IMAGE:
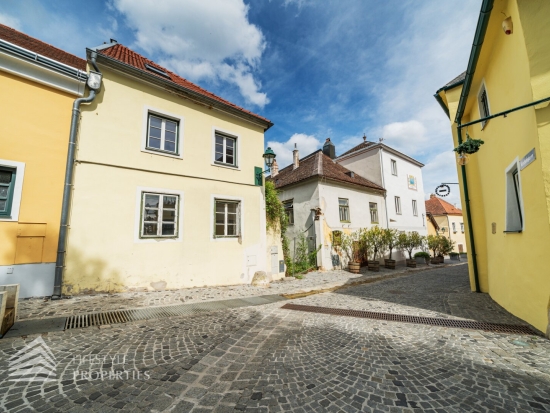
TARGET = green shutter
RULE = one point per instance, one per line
(258, 176)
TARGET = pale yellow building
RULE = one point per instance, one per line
(445, 219)
(38, 83)
(168, 188)
(503, 99)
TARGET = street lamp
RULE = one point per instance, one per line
(269, 158)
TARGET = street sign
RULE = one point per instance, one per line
(443, 190)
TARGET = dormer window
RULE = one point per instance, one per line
(156, 70)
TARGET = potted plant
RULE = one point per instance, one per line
(469, 146)
(446, 246)
(391, 240)
(349, 246)
(464, 255)
(409, 241)
(434, 243)
(364, 246)
(422, 257)
(455, 256)
(376, 240)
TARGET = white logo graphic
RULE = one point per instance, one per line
(35, 362)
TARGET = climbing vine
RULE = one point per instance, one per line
(276, 217)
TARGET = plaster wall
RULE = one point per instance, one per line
(522, 286)
(105, 251)
(366, 164)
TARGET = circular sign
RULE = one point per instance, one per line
(443, 190)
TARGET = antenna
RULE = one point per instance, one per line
(380, 140)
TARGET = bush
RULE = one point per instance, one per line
(421, 254)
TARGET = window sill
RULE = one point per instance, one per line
(161, 153)
(519, 231)
(345, 222)
(225, 239)
(221, 165)
(5, 218)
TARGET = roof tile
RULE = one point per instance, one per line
(437, 206)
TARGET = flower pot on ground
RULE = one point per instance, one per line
(435, 260)
(411, 263)
(464, 255)
(354, 267)
(422, 257)
(389, 264)
(454, 256)
(391, 241)
(374, 265)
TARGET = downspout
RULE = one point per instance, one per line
(479, 37)
(384, 186)
(67, 190)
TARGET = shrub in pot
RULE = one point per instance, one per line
(391, 240)
(422, 257)
(409, 241)
(454, 256)
(349, 245)
(376, 239)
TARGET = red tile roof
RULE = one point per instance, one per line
(318, 164)
(437, 206)
(125, 55)
(34, 45)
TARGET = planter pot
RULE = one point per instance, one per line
(389, 264)
(464, 255)
(435, 260)
(455, 257)
(421, 260)
(354, 267)
(411, 263)
(374, 266)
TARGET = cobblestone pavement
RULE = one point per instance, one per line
(266, 359)
(40, 308)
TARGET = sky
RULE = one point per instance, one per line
(315, 68)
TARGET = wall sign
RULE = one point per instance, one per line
(411, 180)
(443, 190)
(527, 159)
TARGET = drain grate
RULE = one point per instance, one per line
(432, 321)
(125, 316)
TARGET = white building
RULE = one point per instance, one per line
(321, 196)
(399, 174)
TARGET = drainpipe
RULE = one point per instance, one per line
(67, 191)
(384, 186)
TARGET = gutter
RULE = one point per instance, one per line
(67, 191)
(384, 185)
(479, 37)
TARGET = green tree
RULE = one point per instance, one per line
(409, 241)
(377, 240)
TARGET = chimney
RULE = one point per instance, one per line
(295, 158)
(432, 196)
(274, 168)
(329, 149)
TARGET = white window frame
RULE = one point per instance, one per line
(513, 205)
(160, 210)
(17, 188)
(148, 110)
(238, 142)
(397, 201)
(375, 209)
(221, 197)
(415, 207)
(483, 88)
(137, 220)
(393, 167)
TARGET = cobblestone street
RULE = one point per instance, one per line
(265, 358)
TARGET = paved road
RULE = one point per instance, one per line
(266, 358)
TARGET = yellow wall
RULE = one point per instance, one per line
(103, 254)
(446, 221)
(34, 130)
(512, 266)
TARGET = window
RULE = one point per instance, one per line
(344, 209)
(397, 205)
(462, 226)
(162, 134)
(289, 211)
(394, 167)
(159, 215)
(228, 219)
(373, 206)
(514, 217)
(415, 209)
(225, 150)
(483, 102)
(7, 184)
(454, 227)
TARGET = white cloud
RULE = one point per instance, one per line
(408, 137)
(10, 21)
(211, 40)
(306, 144)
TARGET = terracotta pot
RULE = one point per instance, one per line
(354, 267)
(374, 266)
(389, 264)
(411, 263)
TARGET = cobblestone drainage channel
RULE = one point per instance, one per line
(432, 321)
(37, 326)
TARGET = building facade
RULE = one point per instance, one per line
(445, 219)
(503, 99)
(168, 190)
(41, 82)
(323, 199)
